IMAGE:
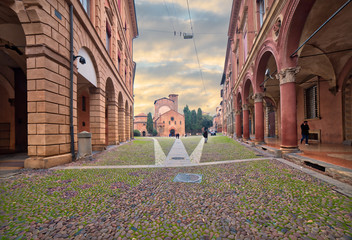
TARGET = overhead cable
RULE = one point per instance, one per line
(195, 47)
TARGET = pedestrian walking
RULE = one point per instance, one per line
(305, 131)
(205, 135)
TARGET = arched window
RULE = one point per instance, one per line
(261, 6)
(172, 118)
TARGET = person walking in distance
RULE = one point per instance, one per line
(305, 131)
(205, 135)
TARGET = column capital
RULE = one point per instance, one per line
(238, 112)
(288, 75)
(258, 97)
(245, 107)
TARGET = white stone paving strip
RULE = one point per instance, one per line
(197, 152)
(159, 153)
(177, 155)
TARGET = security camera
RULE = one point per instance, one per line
(82, 60)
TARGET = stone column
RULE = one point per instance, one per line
(288, 108)
(127, 125)
(97, 118)
(121, 123)
(48, 105)
(238, 124)
(259, 117)
(245, 121)
(112, 120)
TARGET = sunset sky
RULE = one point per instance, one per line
(168, 64)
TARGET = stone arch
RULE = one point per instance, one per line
(238, 114)
(346, 88)
(291, 29)
(13, 81)
(121, 118)
(248, 108)
(89, 70)
(111, 112)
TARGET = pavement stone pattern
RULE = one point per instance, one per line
(177, 155)
(159, 153)
(264, 199)
(197, 153)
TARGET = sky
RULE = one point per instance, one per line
(168, 63)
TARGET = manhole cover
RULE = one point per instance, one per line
(177, 158)
(188, 178)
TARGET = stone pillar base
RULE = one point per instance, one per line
(288, 149)
(47, 162)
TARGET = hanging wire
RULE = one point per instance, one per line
(168, 13)
(195, 47)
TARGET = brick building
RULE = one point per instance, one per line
(36, 52)
(217, 120)
(167, 120)
(140, 123)
(280, 71)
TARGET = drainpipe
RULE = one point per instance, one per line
(71, 85)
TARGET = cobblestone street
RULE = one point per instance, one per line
(264, 199)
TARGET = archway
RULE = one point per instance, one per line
(239, 116)
(247, 109)
(121, 119)
(13, 84)
(172, 132)
(143, 133)
(267, 87)
(110, 113)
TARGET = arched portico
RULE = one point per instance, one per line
(121, 119)
(111, 111)
(247, 108)
(238, 114)
(13, 85)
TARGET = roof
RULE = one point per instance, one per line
(141, 115)
(163, 98)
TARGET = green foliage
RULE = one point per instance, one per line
(136, 133)
(150, 123)
(155, 132)
(195, 120)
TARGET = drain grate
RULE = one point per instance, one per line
(177, 158)
(188, 178)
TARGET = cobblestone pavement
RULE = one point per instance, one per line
(264, 199)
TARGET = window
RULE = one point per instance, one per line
(311, 102)
(118, 63)
(261, 6)
(245, 43)
(83, 103)
(175, 122)
(172, 118)
(108, 37)
(163, 121)
(180, 122)
(169, 122)
(86, 6)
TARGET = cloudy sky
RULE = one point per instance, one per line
(167, 63)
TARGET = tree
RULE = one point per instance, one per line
(155, 132)
(207, 121)
(187, 114)
(193, 121)
(150, 123)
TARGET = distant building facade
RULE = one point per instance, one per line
(274, 79)
(167, 120)
(35, 79)
(217, 120)
(140, 124)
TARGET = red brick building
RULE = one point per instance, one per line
(217, 120)
(140, 124)
(167, 120)
(36, 116)
(280, 71)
